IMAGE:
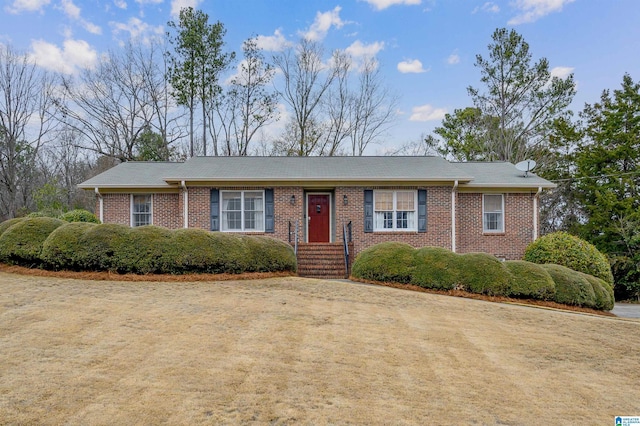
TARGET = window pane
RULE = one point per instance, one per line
(493, 203)
(141, 211)
(231, 201)
(232, 221)
(405, 200)
(493, 221)
(384, 201)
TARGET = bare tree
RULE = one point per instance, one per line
(26, 117)
(337, 106)
(113, 104)
(306, 80)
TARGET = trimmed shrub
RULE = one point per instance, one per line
(572, 288)
(100, 245)
(386, 262)
(603, 293)
(79, 215)
(22, 243)
(8, 223)
(64, 247)
(529, 280)
(266, 254)
(561, 248)
(483, 273)
(435, 267)
(141, 250)
(197, 250)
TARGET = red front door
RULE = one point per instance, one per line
(318, 218)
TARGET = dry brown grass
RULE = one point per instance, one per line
(292, 350)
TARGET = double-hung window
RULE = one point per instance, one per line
(394, 210)
(493, 213)
(243, 211)
(141, 210)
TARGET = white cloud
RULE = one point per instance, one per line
(411, 66)
(360, 50)
(92, 28)
(73, 12)
(19, 6)
(561, 72)
(74, 55)
(532, 10)
(120, 4)
(275, 43)
(383, 4)
(489, 7)
(427, 113)
(453, 59)
(143, 2)
(176, 5)
(323, 23)
(138, 29)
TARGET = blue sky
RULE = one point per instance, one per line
(426, 48)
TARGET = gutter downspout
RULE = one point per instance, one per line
(453, 216)
(101, 207)
(185, 206)
(535, 213)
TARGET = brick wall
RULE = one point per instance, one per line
(167, 210)
(518, 226)
(117, 208)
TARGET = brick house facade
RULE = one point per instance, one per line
(422, 201)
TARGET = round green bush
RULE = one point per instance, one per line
(529, 281)
(483, 273)
(435, 267)
(561, 248)
(64, 247)
(572, 288)
(197, 250)
(100, 245)
(8, 223)
(603, 293)
(79, 215)
(266, 254)
(385, 262)
(141, 250)
(21, 243)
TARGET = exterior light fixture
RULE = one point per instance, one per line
(293, 200)
(345, 200)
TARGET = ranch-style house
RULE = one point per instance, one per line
(332, 204)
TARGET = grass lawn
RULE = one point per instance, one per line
(292, 350)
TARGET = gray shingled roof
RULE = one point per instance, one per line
(312, 169)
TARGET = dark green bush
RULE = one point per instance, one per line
(9, 222)
(21, 243)
(266, 254)
(483, 273)
(385, 262)
(602, 291)
(567, 250)
(100, 245)
(529, 280)
(572, 288)
(64, 247)
(197, 250)
(435, 267)
(141, 250)
(79, 215)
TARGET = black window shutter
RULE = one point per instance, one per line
(368, 210)
(215, 209)
(422, 210)
(269, 223)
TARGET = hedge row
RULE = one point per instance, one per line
(438, 268)
(81, 246)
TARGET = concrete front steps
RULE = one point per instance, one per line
(322, 260)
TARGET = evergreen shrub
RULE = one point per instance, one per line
(8, 223)
(79, 215)
(64, 247)
(21, 244)
(572, 288)
(385, 262)
(483, 273)
(435, 267)
(529, 281)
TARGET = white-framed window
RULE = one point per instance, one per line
(394, 210)
(242, 211)
(141, 209)
(493, 213)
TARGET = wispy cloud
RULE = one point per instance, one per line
(323, 23)
(138, 30)
(19, 6)
(427, 113)
(120, 4)
(489, 7)
(561, 72)
(177, 5)
(532, 10)
(453, 59)
(72, 57)
(73, 12)
(411, 66)
(273, 43)
(383, 4)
